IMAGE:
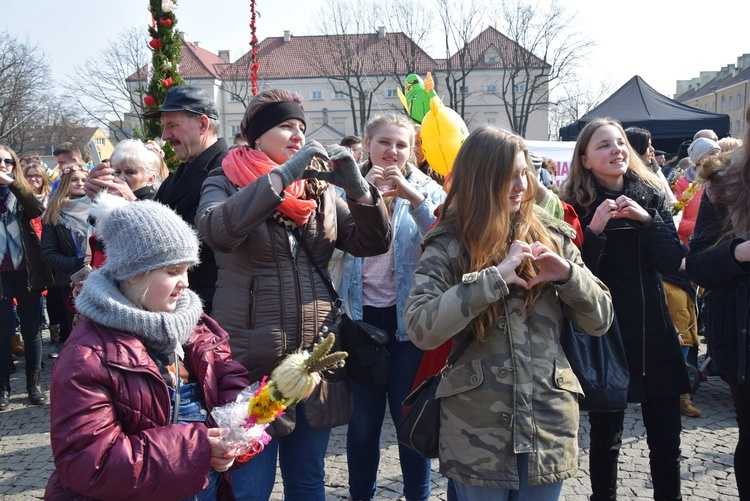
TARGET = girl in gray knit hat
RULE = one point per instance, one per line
(134, 385)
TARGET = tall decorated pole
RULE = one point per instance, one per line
(166, 46)
(254, 49)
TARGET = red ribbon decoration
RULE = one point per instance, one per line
(254, 51)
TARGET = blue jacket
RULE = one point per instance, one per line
(408, 228)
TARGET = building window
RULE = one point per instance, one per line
(316, 95)
(723, 104)
(234, 98)
(235, 129)
(338, 95)
(739, 100)
(731, 103)
(519, 88)
(737, 128)
(391, 93)
(490, 88)
(99, 141)
(464, 90)
(492, 122)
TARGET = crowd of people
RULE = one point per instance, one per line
(168, 293)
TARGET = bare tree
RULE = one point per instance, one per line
(24, 76)
(461, 22)
(546, 48)
(406, 53)
(235, 79)
(100, 86)
(575, 99)
(347, 60)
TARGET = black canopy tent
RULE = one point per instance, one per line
(637, 104)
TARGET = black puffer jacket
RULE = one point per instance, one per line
(59, 253)
(628, 257)
(727, 296)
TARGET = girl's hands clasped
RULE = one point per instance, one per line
(552, 267)
(622, 207)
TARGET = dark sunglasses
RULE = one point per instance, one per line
(8, 161)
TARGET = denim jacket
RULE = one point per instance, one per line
(408, 227)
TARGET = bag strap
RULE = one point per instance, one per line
(457, 353)
(326, 280)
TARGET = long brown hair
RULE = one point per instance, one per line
(62, 192)
(478, 207)
(580, 186)
(46, 187)
(731, 187)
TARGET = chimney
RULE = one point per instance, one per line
(224, 56)
(287, 36)
(381, 32)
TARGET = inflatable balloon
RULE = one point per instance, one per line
(418, 95)
(443, 133)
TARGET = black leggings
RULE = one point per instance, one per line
(15, 284)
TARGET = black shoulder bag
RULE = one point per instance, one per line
(368, 361)
(601, 367)
(420, 428)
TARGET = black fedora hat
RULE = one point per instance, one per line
(186, 98)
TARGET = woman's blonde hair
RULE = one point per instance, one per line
(62, 192)
(579, 188)
(478, 207)
(372, 128)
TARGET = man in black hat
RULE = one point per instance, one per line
(660, 157)
(191, 127)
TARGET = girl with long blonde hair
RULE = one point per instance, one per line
(375, 289)
(65, 241)
(507, 274)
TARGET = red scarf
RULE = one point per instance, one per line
(242, 166)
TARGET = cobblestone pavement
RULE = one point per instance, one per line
(707, 447)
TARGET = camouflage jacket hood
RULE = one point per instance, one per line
(514, 393)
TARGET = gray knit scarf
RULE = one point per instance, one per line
(102, 301)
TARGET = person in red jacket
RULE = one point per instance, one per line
(134, 385)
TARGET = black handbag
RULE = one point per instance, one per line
(419, 430)
(601, 366)
(368, 360)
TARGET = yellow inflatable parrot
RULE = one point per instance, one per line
(443, 133)
(416, 96)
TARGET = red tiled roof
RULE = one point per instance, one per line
(195, 62)
(305, 56)
(504, 45)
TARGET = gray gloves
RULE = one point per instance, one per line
(294, 167)
(345, 172)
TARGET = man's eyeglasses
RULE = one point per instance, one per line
(8, 161)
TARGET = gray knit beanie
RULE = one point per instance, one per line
(141, 236)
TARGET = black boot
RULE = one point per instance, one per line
(4, 392)
(33, 386)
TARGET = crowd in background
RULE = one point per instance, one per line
(167, 293)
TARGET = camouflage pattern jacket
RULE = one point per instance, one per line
(514, 393)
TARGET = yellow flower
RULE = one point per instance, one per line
(263, 408)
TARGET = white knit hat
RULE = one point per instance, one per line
(700, 148)
(141, 236)
(536, 161)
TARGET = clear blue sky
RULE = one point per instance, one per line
(662, 41)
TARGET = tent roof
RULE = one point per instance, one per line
(637, 104)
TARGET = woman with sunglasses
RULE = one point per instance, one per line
(23, 275)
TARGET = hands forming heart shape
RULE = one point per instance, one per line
(552, 267)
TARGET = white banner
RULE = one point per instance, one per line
(559, 151)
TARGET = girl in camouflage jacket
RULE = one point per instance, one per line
(499, 269)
